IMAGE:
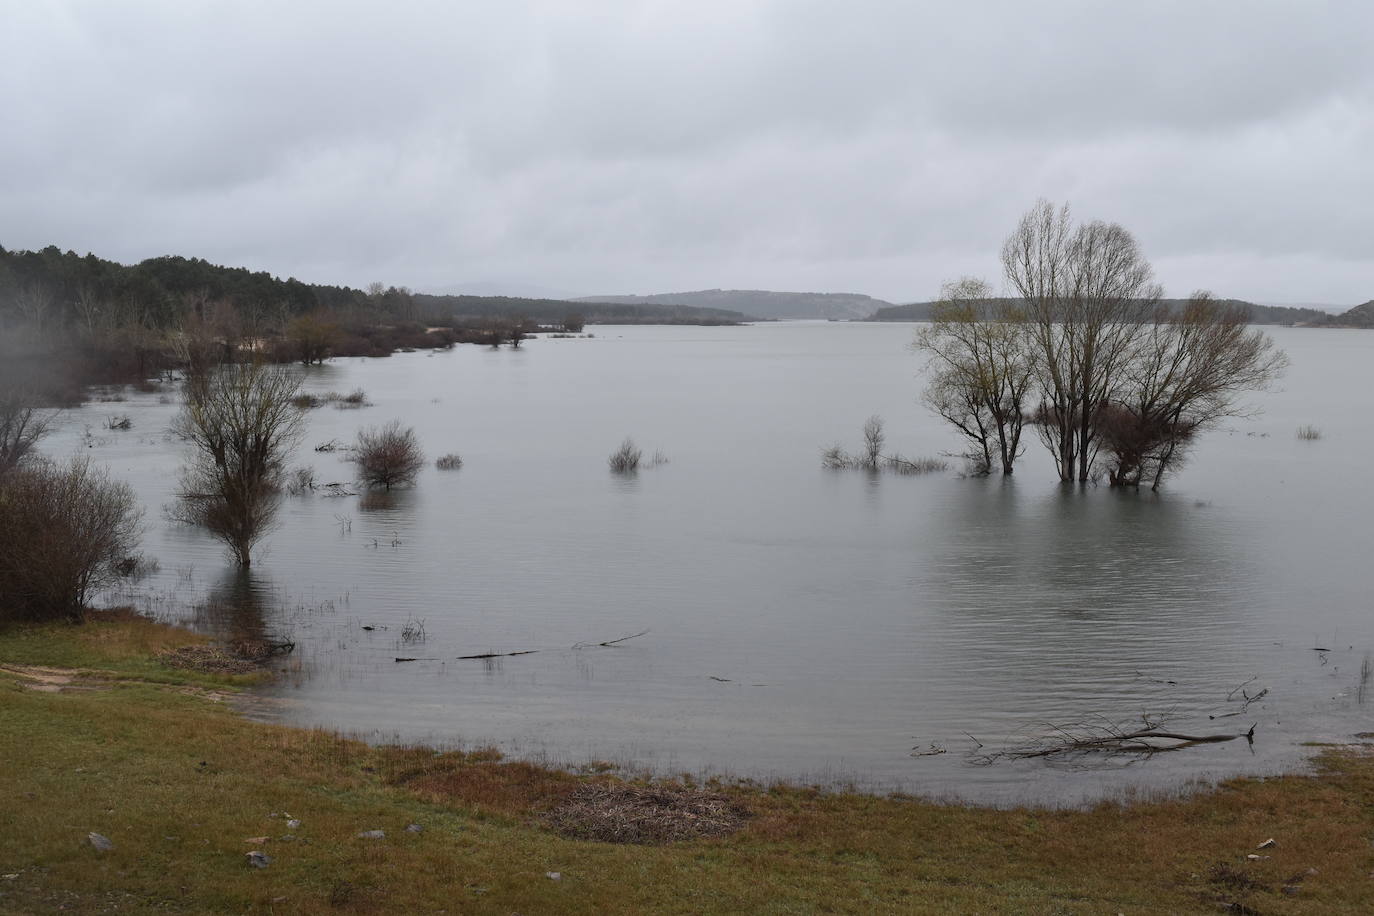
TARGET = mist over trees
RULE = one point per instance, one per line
(1113, 380)
(68, 320)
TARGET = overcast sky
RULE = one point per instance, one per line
(587, 147)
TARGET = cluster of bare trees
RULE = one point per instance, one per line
(241, 423)
(1112, 380)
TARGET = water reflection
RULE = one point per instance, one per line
(237, 608)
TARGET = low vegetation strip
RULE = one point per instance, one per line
(144, 797)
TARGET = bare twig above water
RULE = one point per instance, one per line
(498, 654)
(609, 642)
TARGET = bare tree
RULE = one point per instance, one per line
(388, 456)
(1087, 293)
(241, 424)
(1186, 373)
(69, 530)
(21, 426)
(873, 442)
(981, 371)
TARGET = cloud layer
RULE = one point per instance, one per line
(607, 147)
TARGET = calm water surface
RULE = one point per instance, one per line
(804, 624)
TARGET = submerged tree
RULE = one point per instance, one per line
(1086, 292)
(1111, 378)
(981, 371)
(1186, 373)
(241, 423)
(388, 456)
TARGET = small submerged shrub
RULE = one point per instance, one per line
(927, 465)
(450, 462)
(835, 458)
(300, 480)
(626, 459)
(1309, 433)
(388, 456)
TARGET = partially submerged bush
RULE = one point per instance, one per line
(1309, 433)
(835, 458)
(353, 400)
(300, 480)
(388, 456)
(68, 531)
(626, 459)
(449, 462)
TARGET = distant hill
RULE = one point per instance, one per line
(553, 311)
(761, 303)
(1361, 316)
(1259, 314)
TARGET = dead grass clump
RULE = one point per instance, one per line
(206, 659)
(449, 462)
(645, 815)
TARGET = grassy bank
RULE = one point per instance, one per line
(98, 735)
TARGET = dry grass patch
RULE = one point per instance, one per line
(645, 815)
(206, 659)
(479, 779)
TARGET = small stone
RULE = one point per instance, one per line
(99, 842)
(257, 840)
(554, 875)
(1267, 844)
(1310, 872)
(1254, 858)
(292, 824)
(259, 859)
(372, 835)
(10, 877)
(413, 828)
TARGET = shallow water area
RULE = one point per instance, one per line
(803, 624)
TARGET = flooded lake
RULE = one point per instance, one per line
(803, 624)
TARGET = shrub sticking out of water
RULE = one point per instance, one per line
(307, 402)
(413, 631)
(450, 462)
(626, 459)
(119, 421)
(871, 458)
(1309, 433)
(300, 480)
(899, 465)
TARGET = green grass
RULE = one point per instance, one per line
(147, 757)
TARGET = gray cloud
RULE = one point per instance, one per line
(641, 147)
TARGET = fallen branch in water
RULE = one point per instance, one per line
(498, 654)
(610, 642)
(401, 659)
(1107, 740)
